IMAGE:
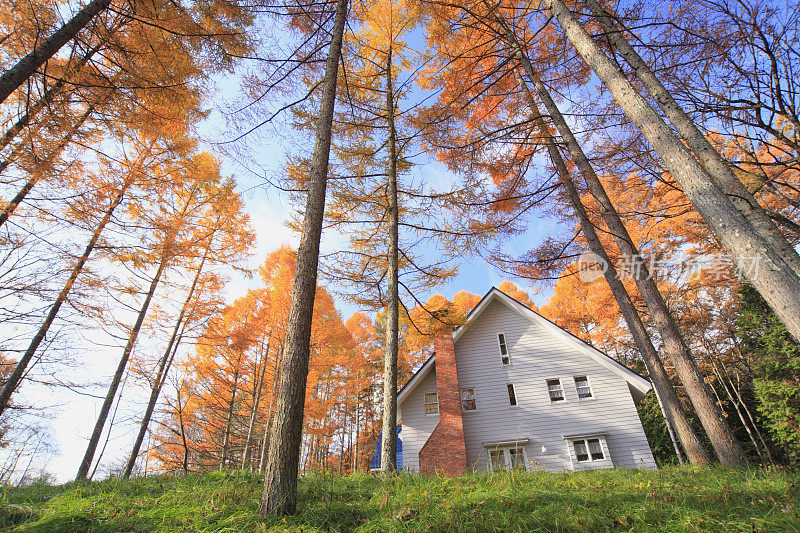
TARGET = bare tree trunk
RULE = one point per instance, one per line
(280, 483)
(13, 78)
(229, 421)
(86, 463)
(738, 402)
(342, 438)
(389, 440)
(711, 159)
(753, 422)
(185, 461)
(256, 399)
(772, 277)
(270, 410)
(355, 445)
(110, 427)
(163, 368)
(36, 175)
(723, 381)
(719, 433)
(668, 400)
(13, 380)
(46, 99)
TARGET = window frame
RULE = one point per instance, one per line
(589, 454)
(503, 345)
(511, 389)
(588, 384)
(426, 403)
(561, 386)
(474, 399)
(505, 452)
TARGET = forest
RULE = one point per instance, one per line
(231, 228)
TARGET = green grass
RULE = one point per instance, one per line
(672, 499)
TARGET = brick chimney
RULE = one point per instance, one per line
(444, 452)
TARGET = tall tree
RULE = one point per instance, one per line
(389, 442)
(172, 226)
(774, 278)
(711, 159)
(668, 399)
(722, 438)
(280, 483)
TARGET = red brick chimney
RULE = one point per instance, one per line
(444, 452)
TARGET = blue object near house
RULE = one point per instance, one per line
(375, 464)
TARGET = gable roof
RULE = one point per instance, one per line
(639, 385)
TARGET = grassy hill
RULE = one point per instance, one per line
(672, 499)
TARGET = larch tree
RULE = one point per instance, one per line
(223, 236)
(280, 483)
(774, 279)
(193, 177)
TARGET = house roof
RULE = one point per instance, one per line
(639, 385)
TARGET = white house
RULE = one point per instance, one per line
(510, 389)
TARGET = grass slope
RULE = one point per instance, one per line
(672, 499)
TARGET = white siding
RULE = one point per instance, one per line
(537, 355)
(417, 426)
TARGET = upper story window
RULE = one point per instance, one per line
(468, 400)
(431, 403)
(505, 357)
(583, 387)
(555, 390)
(512, 394)
(588, 450)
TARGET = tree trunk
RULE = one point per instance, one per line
(719, 433)
(773, 277)
(185, 459)
(256, 399)
(46, 99)
(341, 442)
(36, 175)
(163, 367)
(13, 380)
(271, 410)
(13, 78)
(711, 159)
(355, 444)
(389, 440)
(229, 420)
(668, 400)
(86, 463)
(280, 483)
(110, 427)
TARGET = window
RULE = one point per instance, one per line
(517, 459)
(512, 394)
(555, 390)
(431, 403)
(580, 450)
(507, 459)
(595, 449)
(588, 450)
(583, 387)
(498, 460)
(468, 400)
(504, 355)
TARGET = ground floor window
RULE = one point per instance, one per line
(512, 458)
(587, 450)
